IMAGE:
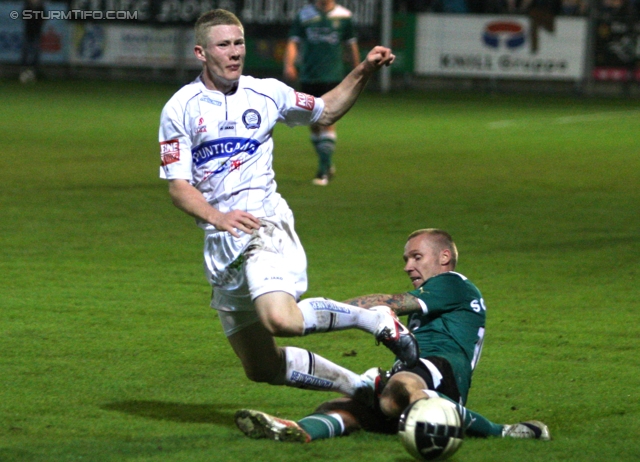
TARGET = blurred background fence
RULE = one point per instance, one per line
(588, 46)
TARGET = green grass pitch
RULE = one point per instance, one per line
(109, 351)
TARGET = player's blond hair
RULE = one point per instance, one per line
(212, 18)
(441, 240)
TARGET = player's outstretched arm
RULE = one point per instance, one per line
(338, 101)
(192, 202)
(401, 304)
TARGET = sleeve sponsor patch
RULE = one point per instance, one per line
(169, 152)
(305, 101)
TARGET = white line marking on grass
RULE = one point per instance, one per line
(595, 117)
(502, 124)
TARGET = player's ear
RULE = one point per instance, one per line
(445, 257)
(200, 53)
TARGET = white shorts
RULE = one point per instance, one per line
(270, 260)
(235, 321)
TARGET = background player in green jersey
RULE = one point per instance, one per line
(316, 40)
(447, 316)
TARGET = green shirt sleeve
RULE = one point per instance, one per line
(442, 293)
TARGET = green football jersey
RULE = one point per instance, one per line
(321, 37)
(452, 326)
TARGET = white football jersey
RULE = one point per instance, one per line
(222, 144)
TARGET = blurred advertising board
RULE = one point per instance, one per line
(55, 33)
(144, 32)
(617, 49)
(185, 12)
(514, 47)
(108, 44)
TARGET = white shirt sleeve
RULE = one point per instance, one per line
(296, 108)
(175, 144)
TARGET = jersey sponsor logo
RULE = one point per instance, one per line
(305, 101)
(202, 128)
(206, 99)
(478, 305)
(169, 152)
(251, 119)
(223, 147)
(227, 129)
(323, 34)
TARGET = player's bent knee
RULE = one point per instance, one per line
(261, 375)
(257, 377)
(272, 371)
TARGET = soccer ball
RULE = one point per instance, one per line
(27, 76)
(431, 429)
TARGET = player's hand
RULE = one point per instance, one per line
(237, 220)
(379, 56)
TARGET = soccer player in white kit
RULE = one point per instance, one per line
(216, 153)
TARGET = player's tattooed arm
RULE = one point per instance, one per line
(400, 303)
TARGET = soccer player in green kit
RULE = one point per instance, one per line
(447, 316)
(318, 35)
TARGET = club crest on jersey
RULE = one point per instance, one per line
(251, 119)
(169, 152)
(305, 101)
(206, 99)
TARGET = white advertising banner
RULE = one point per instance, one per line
(136, 46)
(514, 47)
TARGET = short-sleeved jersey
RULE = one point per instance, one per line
(451, 325)
(321, 36)
(222, 144)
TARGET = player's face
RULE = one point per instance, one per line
(422, 259)
(223, 56)
(325, 5)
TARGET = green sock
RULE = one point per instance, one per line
(321, 426)
(475, 424)
(324, 146)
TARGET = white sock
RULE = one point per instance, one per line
(304, 369)
(340, 420)
(323, 315)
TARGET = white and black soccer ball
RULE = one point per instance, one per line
(431, 429)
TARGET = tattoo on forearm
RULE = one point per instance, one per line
(400, 303)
